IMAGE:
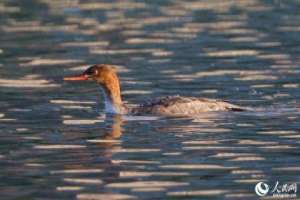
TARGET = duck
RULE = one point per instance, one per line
(106, 77)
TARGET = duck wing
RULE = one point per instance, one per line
(178, 105)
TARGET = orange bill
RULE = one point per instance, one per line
(81, 77)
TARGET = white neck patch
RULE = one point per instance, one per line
(109, 106)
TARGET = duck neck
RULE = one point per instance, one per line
(112, 99)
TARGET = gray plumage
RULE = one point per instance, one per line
(177, 105)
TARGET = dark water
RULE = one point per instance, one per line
(56, 142)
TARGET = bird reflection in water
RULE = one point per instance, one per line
(114, 129)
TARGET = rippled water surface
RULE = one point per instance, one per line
(56, 143)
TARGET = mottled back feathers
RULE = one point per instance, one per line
(177, 105)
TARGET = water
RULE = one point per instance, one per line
(56, 143)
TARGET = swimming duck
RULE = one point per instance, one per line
(106, 76)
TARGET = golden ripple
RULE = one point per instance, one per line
(174, 36)
(196, 166)
(149, 41)
(77, 107)
(133, 150)
(201, 142)
(156, 20)
(214, 148)
(44, 61)
(147, 174)
(152, 189)
(123, 5)
(286, 169)
(136, 92)
(229, 155)
(188, 29)
(59, 146)
(83, 180)
(249, 180)
(275, 56)
(173, 11)
(7, 120)
(162, 53)
(62, 101)
(281, 95)
(81, 121)
(245, 125)
(66, 116)
(232, 53)
(277, 132)
(34, 165)
(241, 195)
(76, 171)
(291, 136)
(198, 193)
(69, 188)
(222, 6)
(245, 31)
(218, 73)
(85, 44)
(39, 28)
(279, 147)
(104, 196)
(255, 142)
(146, 184)
(156, 61)
(120, 51)
(135, 161)
(212, 130)
(245, 171)
(244, 39)
(23, 83)
(248, 158)
(211, 91)
(32, 138)
(21, 129)
(291, 85)
(262, 86)
(268, 44)
(257, 77)
(172, 153)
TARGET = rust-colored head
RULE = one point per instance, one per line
(106, 76)
(100, 73)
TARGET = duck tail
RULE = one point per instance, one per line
(237, 109)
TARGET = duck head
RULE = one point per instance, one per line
(106, 77)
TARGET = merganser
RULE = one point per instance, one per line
(107, 78)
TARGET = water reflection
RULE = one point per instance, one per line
(56, 145)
